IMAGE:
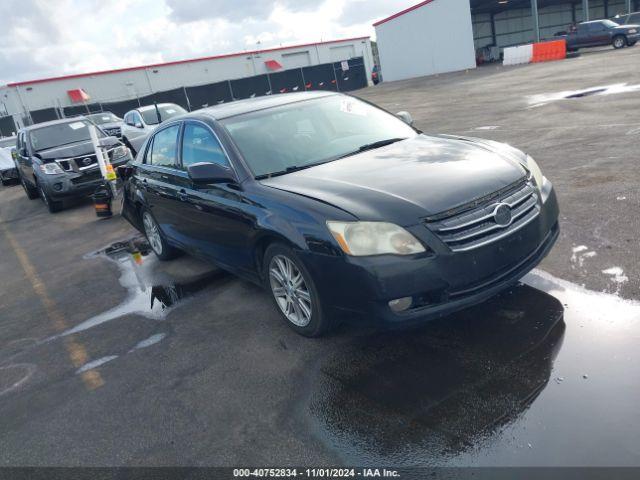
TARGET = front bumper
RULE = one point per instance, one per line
(440, 283)
(70, 185)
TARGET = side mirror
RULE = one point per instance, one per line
(138, 125)
(125, 172)
(405, 117)
(205, 172)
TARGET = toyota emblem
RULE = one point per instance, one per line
(502, 215)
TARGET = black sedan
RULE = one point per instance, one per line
(342, 209)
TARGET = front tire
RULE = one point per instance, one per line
(294, 292)
(156, 240)
(52, 205)
(32, 192)
(619, 41)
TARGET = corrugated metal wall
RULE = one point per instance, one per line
(515, 27)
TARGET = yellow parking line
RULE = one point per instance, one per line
(77, 353)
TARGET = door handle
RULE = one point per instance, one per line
(182, 195)
(164, 177)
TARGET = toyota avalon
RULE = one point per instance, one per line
(340, 208)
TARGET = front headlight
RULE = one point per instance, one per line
(633, 30)
(51, 169)
(120, 152)
(374, 238)
(536, 173)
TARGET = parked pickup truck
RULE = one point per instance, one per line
(602, 32)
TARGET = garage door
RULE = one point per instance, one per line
(296, 60)
(342, 53)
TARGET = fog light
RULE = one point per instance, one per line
(57, 187)
(400, 304)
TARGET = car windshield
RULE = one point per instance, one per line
(102, 118)
(61, 134)
(7, 142)
(166, 112)
(303, 134)
(609, 24)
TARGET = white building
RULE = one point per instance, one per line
(435, 36)
(231, 76)
(438, 36)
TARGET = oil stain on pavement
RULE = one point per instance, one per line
(544, 374)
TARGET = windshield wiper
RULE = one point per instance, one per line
(291, 169)
(373, 146)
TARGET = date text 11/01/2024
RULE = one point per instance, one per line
(315, 473)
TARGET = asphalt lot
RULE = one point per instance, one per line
(94, 371)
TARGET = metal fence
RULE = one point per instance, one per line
(339, 76)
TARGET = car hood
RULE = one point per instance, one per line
(411, 179)
(74, 150)
(624, 28)
(111, 125)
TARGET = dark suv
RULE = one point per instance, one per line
(602, 32)
(56, 160)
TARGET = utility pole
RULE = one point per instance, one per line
(536, 20)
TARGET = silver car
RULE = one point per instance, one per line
(8, 171)
(140, 122)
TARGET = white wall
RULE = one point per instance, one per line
(118, 86)
(435, 38)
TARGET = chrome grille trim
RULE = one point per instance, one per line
(476, 227)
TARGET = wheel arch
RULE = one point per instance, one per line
(263, 242)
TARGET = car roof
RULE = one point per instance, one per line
(54, 122)
(248, 105)
(144, 108)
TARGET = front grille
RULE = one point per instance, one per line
(78, 164)
(474, 225)
(113, 132)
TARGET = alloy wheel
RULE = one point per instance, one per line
(152, 232)
(290, 290)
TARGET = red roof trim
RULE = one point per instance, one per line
(403, 12)
(179, 62)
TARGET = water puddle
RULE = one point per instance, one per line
(614, 89)
(151, 293)
(527, 378)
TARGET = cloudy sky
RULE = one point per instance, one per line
(43, 38)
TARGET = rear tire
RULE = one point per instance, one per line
(293, 291)
(619, 41)
(156, 239)
(52, 205)
(32, 192)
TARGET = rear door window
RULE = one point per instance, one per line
(164, 150)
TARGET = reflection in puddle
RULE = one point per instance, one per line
(442, 388)
(149, 293)
(474, 388)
